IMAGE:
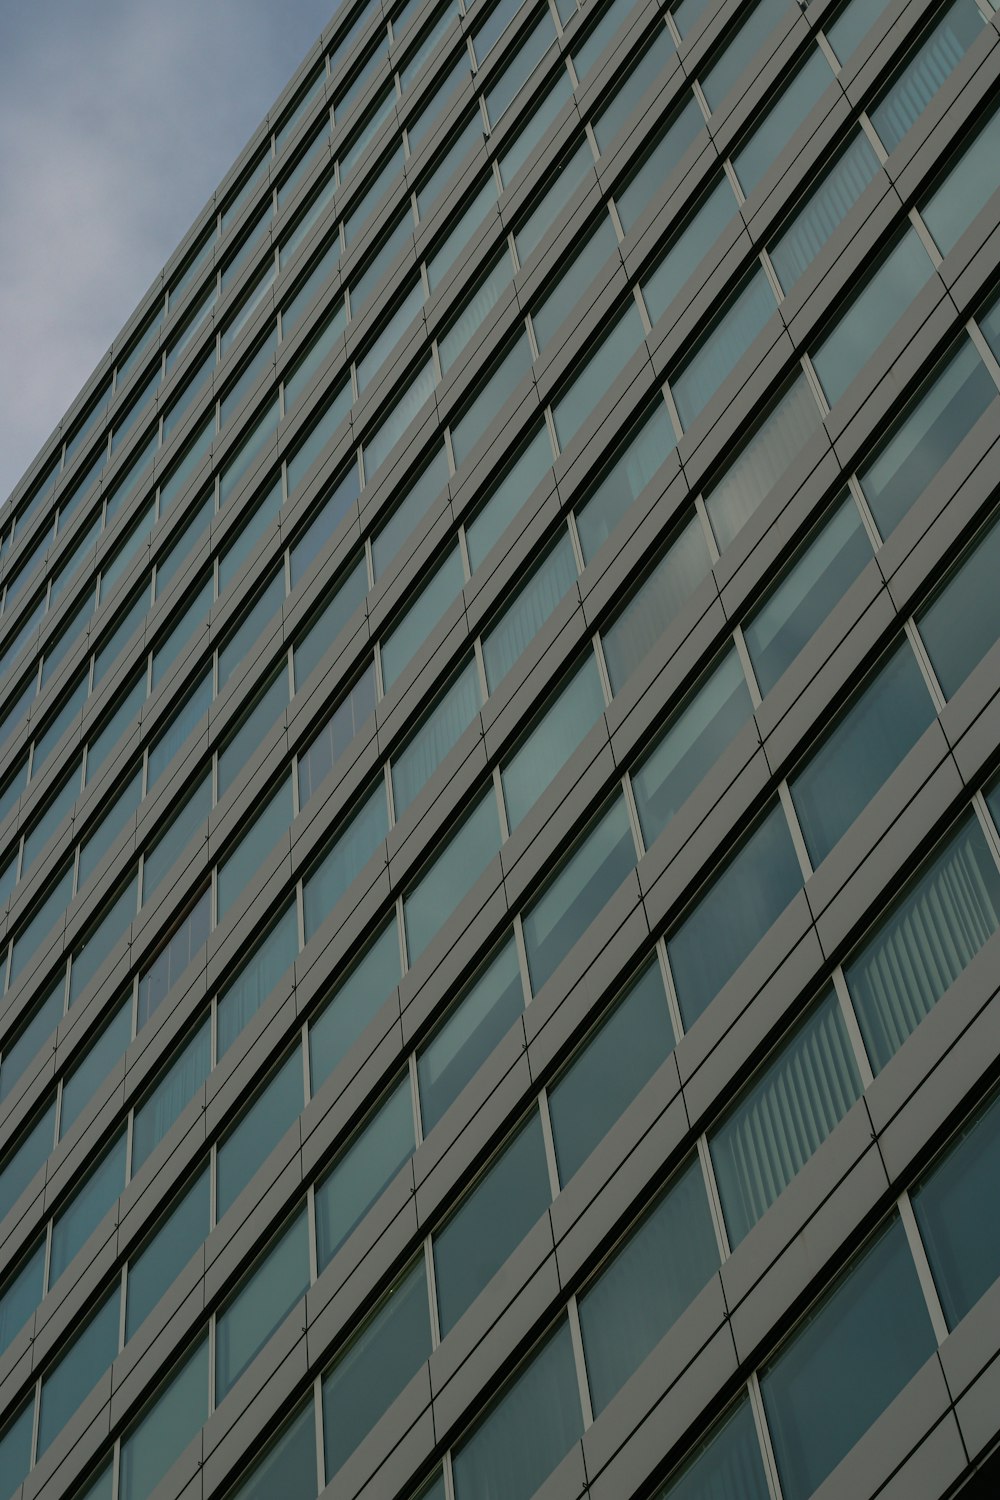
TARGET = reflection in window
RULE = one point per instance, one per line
(175, 1414)
(733, 331)
(356, 999)
(962, 622)
(451, 874)
(656, 602)
(548, 745)
(930, 63)
(365, 1166)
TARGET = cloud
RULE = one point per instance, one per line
(118, 118)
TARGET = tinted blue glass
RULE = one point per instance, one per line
(89, 1355)
(73, 1226)
(356, 1000)
(733, 332)
(690, 249)
(180, 1233)
(260, 1128)
(451, 874)
(782, 120)
(552, 740)
(967, 187)
(726, 1466)
(931, 62)
(365, 1167)
(962, 622)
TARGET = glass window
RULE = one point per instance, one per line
(931, 934)
(246, 992)
(451, 874)
(562, 297)
(61, 803)
(643, 72)
(743, 42)
(264, 1298)
(733, 914)
(610, 1069)
(86, 1077)
(174, 1416)
(497, 387)
(853, 23)
(689, 250)
(467, 1036)
(527, 612)
(415, 502)
(636, 460)
(805, 593)
(958, 1213)
(365, 1166)
(489, 31)
(80, 1367)
(189, 620)
(763, 147)
(346, 596)
(94, 848)
(355, 843)
(74, 1224)
(191, 816)
(490, 1222)
(317, 758)
(330, 413)
(438, 733)
(45, 919)
(546, 108)
(356, 999)
(518, 67)
(255, 519)
(296, 380)
(100, 940)
(179, 1234)
(859, 754)
(24, 1158)
(726, 1465)
(586, 52)
(968, 186)
(445, 252)
(557, 919)
(248, 1144)
(179, 728)
(289, 1464)
(962, 622)
(412, 629)
(732, 332)
(20, 1294)
(519, 479)
(475, 310)
(187, 937)
(655, 602)
(380, 443)
(933, 59)
(783, 1115)
(176, 1085)
(529, 1429)
(827, 205)
(574, 404)
(368, 1376)
(697, 735)
(390, 331)
(925, 437)
(846, 1362)
(15, 1449)
(245, 857)
(239, 747)
(647, 1284)
(560, 185)
(871, 313)
(238, 641)
(19, 1050)
(541, 755)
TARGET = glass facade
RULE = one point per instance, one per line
(499, 780)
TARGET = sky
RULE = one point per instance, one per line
(118, 119)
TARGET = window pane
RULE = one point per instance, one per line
(931, 62)
(732, 916)
(317, 758)
(88, 1356)
(806, 593)
(102, 937)
(179, 1235)
(490, 1222)
(645, 448)
(464, 1041)
(247, 1146)
(414, 503)
(926, 436)
(177, 1085)
(697, 736)
(963, 622)
(643, 72)
(647, 1284)
(72, 1228)
(609, 1071)
(550, 743)
(240, 747)
(355, 843)
(783, 1116)
(655, 603)
(733, 332)
(574, 404)
(451, 875)
(500, 383)
(29, 1152)
(265, 1296)
(532, 1426)
(744, 41)
(355, 1001)
(968, 186)
(571, 901)
(440, 731)
(725, 1466)
(528, 610)
(762, 460)
(366, 1166)
(346, 596)
(19, 1052)
(562, 297)
(20, 1295)
(366, 1379)
(958, 1212)
(843, 1366)
(412, 629)
(289, 1466)
(762, 149)
(933, 932)
(689, 250)
(860, 753)
(872, 312)
(95, 1066)
(15, 1449)
(246, 992)
(245, 857)
(851, 26)
(168, 1425)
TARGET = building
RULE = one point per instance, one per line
(499, 831)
